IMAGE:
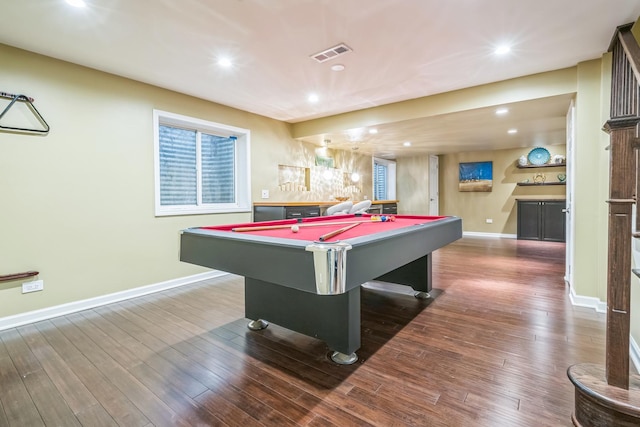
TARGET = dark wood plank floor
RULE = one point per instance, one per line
(491, 348)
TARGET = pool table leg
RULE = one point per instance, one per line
(416, 274)
(335, 319)
(256, 325)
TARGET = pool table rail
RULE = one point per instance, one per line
(286, 284)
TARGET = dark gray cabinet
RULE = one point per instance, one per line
(384, 209)
(270, 213)
(301, 211)
(390, 209)
(541, 220)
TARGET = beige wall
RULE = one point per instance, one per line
(591, 179)
(77, 204)
(498, 205)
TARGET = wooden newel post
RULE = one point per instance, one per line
(622, 195)
(623, 131)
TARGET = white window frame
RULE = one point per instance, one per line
(242, 167)
(391, 176)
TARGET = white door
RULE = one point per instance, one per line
(570, 215)
(434, 209)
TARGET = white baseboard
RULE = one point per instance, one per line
(496, 235)
(589, 302)
(72, 307)
(634, 353)
(601, 307)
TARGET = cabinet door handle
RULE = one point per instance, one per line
(565, 210)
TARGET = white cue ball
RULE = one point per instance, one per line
(295, 228)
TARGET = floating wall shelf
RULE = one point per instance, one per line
(535, 184)
(548, 165)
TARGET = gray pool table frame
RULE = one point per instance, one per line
(280, 282)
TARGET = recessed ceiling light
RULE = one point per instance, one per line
(373, 131)
(355, 134)
(76, 3)
(407, 143)
(501, 111)
(502, 49)
(512, 131)
(313, 98)
(224, 62)
(337, 67)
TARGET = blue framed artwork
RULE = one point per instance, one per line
(476, 176)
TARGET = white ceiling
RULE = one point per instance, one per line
(402, 49)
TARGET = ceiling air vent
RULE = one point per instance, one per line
(332, 52)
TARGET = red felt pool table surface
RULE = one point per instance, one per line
(313, 228)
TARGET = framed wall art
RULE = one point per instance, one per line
(476, 176)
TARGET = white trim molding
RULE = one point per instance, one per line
(634, 353)
(601, 307)
(589, 302)
(493, 235)
(72, 307)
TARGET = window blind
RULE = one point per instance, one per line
(178, 173)
(218, 173)
(380, 181)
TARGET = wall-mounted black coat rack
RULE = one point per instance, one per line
(28, 101)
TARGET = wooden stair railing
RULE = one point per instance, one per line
(610, 396)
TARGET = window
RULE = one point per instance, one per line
(384, 179)
(201, 167)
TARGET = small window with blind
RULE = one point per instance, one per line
(201, 167)
(384, 179)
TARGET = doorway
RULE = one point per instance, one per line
(434, 196)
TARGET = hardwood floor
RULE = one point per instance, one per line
(491, 348)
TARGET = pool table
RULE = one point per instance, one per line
(310, 284)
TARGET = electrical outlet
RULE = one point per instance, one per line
(489, 221)
(265, 194)
(34, 286)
